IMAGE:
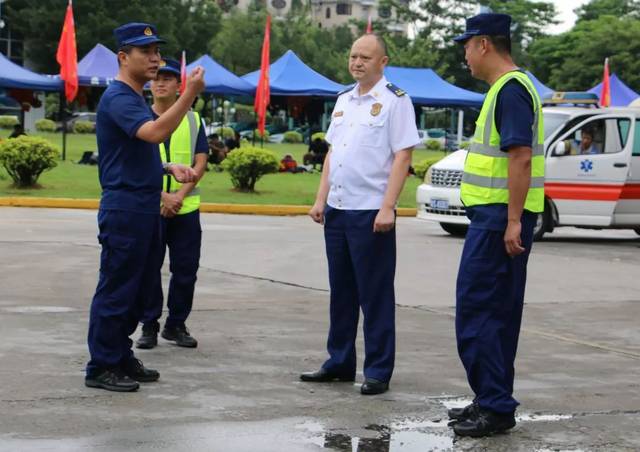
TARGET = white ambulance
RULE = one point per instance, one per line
(592, 165)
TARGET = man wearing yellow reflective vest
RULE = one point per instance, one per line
(180, 223)
(502, 190)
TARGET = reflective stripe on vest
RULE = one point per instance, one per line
(486, 169)
(182, 148)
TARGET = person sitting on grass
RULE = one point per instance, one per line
(289, 165)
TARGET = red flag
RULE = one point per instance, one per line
(263, 91)
(369, 24)
(605, 94)
(183, 72)
(67, 56)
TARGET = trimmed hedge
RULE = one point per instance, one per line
(83, 127)
(433, 145)
(26, 158)
(224, 132)
(247, 165)
(45, 125)
(257, 133)
(8, 121)
(422, 166)
(318, 135)
(292, 137)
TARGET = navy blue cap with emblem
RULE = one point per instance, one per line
(486, 24)
(169, 65)
(137, 34)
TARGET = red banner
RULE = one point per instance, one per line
(263, 92)
(605, 94)
(67, 56)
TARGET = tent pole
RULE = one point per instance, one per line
(460, 123)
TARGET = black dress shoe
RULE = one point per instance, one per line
(484, 423)
(149, 338)
(135, 370)
(371, 386)
(324, 376)
(111, 380)
(462, 414)
(180, 335)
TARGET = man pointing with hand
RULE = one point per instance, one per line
(130, 172)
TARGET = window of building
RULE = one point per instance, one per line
(328, 13)
(343, 9)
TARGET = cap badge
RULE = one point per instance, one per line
(148, 32)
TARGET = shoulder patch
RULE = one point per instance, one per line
(395, 90)
(346, 90)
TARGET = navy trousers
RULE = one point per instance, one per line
(182, 234)
(361, 276)
(128, 267)
(489, 303)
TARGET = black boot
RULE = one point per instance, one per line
(180, 335)
(111, 380)
(485, 423)
(462, 414)
(135, 370)
(149, 337)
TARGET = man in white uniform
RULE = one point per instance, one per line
(372, 134)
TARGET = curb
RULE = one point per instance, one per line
(205, 207)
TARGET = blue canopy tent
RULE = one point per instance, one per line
(427, 88)
(542, 89)
(621, 94)
(219, 80)
(98, 67)
(289, 76)
(15, 76)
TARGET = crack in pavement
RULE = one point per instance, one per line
(547, 335)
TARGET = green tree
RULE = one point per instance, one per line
(619, 8)
(185, 24)
(574, 60)
(438, 21)
(238, 46)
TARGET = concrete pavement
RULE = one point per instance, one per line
(261, 318)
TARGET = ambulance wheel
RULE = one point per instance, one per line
(542, 224)
(457, 230)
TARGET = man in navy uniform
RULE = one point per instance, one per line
(180, 224)
(372, 134)
(130, 172)
(502, 190)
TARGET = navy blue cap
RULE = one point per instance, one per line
(169, 65)
(137, 34)
(488, 24)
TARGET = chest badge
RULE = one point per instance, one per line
(337, 114)
(375, 109)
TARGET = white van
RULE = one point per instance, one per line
(597, 190)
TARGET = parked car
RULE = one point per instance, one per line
(595, 191)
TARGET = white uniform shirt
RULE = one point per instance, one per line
(365, 133)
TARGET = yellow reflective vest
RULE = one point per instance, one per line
(486, 168)
(182, 148)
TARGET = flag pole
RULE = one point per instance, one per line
(63, 117)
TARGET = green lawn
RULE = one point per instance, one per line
(70, 180)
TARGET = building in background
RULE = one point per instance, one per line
(332, 13)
